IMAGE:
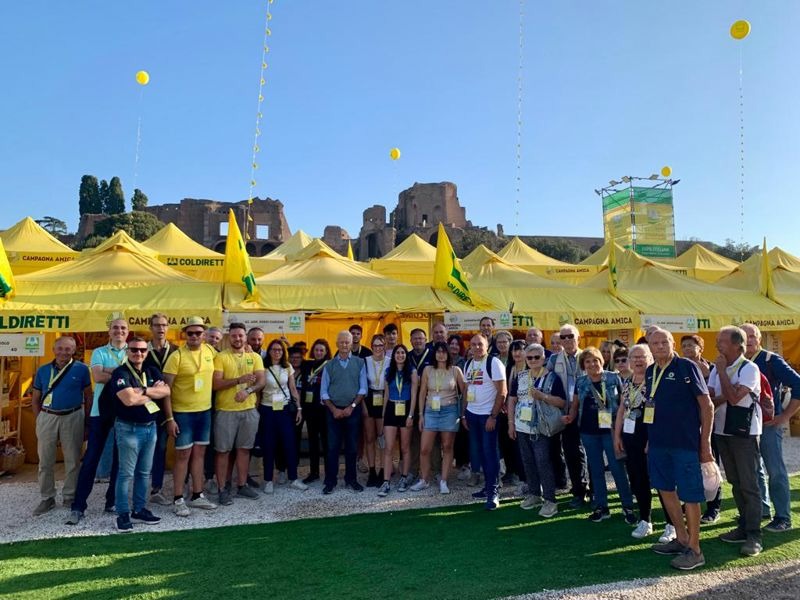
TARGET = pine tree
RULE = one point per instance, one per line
(103, 196)
(89, 196)
(116, 198)
(139, 200)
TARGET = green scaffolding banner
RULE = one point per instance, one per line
(642, 219)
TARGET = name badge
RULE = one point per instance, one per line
(377, 399)
(570, 391)
(309, 397)
(199, 383)
(470, 394)
(649, 414)
(48, 401)
(278, 401)
(151, 407)
(604, 419)
(526, 413)
(399, 409)
(436, 402)
(629, 425)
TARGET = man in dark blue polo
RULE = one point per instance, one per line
(137, 389)
(780, 376)
(679, 413)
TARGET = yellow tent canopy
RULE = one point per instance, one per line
(542, 302)
(121, 241)
(411, 261)
(656, 292)
(318, 279)
(83, 295)
(473, 261)
(777, 258)
(519, 254)
(30, 248)
(177, 250)
(785, 282)
(299, 240)
(703, 264)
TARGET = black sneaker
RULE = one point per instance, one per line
(479, 495)
(328, 489)
(577, 502)
(710, 516)
(253, 483)
(145, 516)
(355, 486)
(312, 477)
(599, 514)
(734, 536)
(778, 525)
(124, 523)
(372, 479)
(630, 517)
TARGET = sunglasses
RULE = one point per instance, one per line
(621, 359)
(194, 333)
(138, 350)
(535, 357)
(567, 336)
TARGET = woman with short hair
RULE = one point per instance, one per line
(373, 415)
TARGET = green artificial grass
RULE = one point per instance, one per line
(451, 552)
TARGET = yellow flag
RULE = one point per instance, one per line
(612, 268)
(447, 272)
(767, 287)
(350, 251)
(7, 285)
(237, 263)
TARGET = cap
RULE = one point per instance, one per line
(194, 322)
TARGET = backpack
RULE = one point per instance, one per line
(765, 399)
(489, 361)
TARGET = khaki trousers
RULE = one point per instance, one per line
(67, 429)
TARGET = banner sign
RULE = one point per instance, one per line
(281, 323)
(21, 344)
(673, 323)
(645, 215)
(470, 321)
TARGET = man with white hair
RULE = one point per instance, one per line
(735, 385)
(780, 376)
(566, 365)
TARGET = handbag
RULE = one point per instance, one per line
(549, 419)
(291, 407)
(738, 420)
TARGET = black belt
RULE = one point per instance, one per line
(135, 423)
(61, 413)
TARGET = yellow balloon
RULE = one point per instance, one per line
(394, 153)
(666, 171)
(142, 77)
(740, 29)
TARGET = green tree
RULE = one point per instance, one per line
(473, 238)
(563, 250)
(740, 251)
(89, 196)
(53, 225)
(115, 203)
(139, 200)
(138, 225)
(103, 195)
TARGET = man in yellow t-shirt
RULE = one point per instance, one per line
(238, 376)
(189, 372)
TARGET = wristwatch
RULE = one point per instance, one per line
(353, 405)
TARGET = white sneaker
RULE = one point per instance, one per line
(384, 489)
(530, 502)
(281, 477)
(181, 509)
(668, 535)
(549, 509)
(298, 485)
(443, 489)
(643, 529)
(159, 498)
(502, 472)
(202, 502)
(269, 487)
(420, 485)
(464, 473)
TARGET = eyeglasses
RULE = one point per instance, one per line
(378, 345)
(621, 359)
(567, 336)
(535, 357)
(194, 333)
(138, 350)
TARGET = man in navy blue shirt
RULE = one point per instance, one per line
(137, 390)
(679, 413)
(780, 376)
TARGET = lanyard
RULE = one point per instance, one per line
(316, 371)
(474, 369)
(377, 372)
(54, 375)
(113, 352)
(633, 393)
(600, 398)
(153, 353)
(734, 367)
(438, 378)
(538, 377)
(398, 382)
(199, 362)
(141, 379)
(417, 363)
(657, 378)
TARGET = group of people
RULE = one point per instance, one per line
(504, 412)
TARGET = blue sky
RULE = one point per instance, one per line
(610, 88)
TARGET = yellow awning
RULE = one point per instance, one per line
(177, 250)
(121, 241)
(703, 264)
(411, 261)
(30, 248)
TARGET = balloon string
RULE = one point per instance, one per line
(138, 139)
(741, 150)
(257, 134)
(520, 72)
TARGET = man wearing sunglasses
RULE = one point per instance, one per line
(189, 373)
(566, 365)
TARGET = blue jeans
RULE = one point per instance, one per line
(277, 427)
(106, 459)
(535, 450)
(135, 445)
(772, 453)
(99, 430)
(347, 429)
(483, 451)
(160, 457)
(595, 445)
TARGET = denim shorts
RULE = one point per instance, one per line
(195, 429)
(672, 468)
(444, 419)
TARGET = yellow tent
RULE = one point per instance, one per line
(120, 241)
(84, 294)
(473, 261)
(542, 302)
(670, 298)
(777, 259)
(703, 264)
(318, 279)
(411, 261)
(519, 254)
(626, 259)
(748, 277)
(277, 258)
(177, 250)
(30, 248)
